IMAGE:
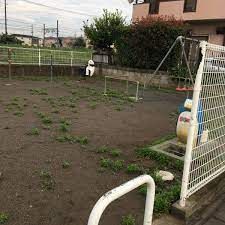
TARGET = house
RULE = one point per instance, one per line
(65, 42)
(206, 17)
(50, 42)
(28, 39)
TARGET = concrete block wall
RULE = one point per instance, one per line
(162, 78)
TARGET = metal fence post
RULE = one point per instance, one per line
(71, 63)
(10, 63)
(191, 132)
(51, 67)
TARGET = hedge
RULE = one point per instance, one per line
(147, 41)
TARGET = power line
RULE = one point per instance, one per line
(58, 9)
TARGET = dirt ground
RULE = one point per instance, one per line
(28, 147)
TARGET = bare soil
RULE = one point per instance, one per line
(23, 156)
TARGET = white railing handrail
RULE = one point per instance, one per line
(116, 193)
(43, 49)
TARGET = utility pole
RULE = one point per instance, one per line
(57, 32)
(32, 34)
(6, 30)
(44, 35)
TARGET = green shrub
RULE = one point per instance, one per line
(147, 41)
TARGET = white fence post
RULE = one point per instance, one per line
(39, 57)
(191, 132)
(71, 61)
(116, 193)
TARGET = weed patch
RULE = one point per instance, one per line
(115, 166)
(47, 181)
(128, 220)
(133, 169)
(34, 131)
(38, 91)
(3, 218)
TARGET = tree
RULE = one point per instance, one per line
(79, 42)
(9, 39)
(146, 42)
(105, 31)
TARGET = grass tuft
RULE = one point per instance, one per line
(3, 218)
(128, 220)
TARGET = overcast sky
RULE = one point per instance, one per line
(70, 23)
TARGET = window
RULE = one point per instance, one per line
(154, 7)
(190, 5)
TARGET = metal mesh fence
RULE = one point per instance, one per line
(36, 56)
(205, 157)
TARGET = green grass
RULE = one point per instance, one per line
(64, 125)
(47, 181)
(128, 220)
(93, 105)
(103, 149)
(115, 166)
(3, 218)
(166, 195)
(163, 160)
(40, 114)
(38, 91)
(46, 120)
(18, 113)
(115, 152)
(133, 169)
(34, 132)
(65, 164)
(72, 139)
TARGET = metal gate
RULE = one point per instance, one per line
(205, 153)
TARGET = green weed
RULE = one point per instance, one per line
(133, 169)
(34, 131)
(93, 105)
(64, 125)
(71, 139)
(18, 113)
(65, 164)
(3, 218)
(164, 197)
(38, 91)
(115, 152)
(116, 165)
(128, 220)
(47, 181)
(103, 149)
(46, 120)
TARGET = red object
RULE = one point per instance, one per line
(184, 89)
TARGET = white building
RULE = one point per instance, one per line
(28, 39)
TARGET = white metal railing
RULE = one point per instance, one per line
(37, 56)
(205, 154)
(116, 193)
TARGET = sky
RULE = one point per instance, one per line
(22, 14)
